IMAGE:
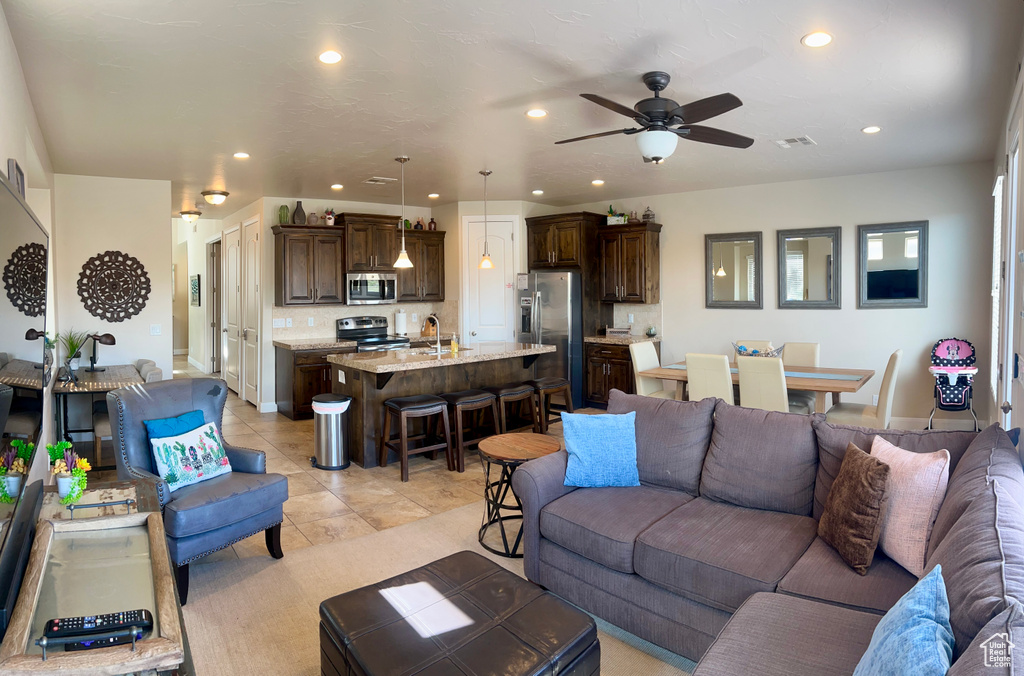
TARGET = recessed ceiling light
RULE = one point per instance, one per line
(597, 181)
(873, 129)
(337, 186)
(330, 57)
(538, 192)
(433, 195)
(215, 196)
(816, 39)
(241, 156)
(536, 112)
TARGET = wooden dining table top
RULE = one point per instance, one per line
(806, 379)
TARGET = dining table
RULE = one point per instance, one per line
(821, 380)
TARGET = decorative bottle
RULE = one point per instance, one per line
(432, 225)
(298, 216)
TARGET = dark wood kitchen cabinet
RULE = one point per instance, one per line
(630, 263)
(371, 242)
(308, 265)
(561, 241)
(424, 281)
(300, 375)
(608, 367)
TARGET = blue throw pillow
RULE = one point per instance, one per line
(914, 637)
(172, 427)
(602, 450)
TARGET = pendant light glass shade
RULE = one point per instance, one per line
(485, 262)
(403, 260)
(191, 216)
(721, 271)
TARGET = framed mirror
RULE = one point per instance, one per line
(732, 271)
(892, 265)
(809, 263)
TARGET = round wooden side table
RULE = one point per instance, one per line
(508, 451)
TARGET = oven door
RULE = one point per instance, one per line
(372, 288)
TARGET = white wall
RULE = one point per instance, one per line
(93, 215)
(956, 200)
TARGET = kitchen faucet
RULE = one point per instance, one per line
(437, 326)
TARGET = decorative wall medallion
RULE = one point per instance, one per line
(114, 286)
(25, 279)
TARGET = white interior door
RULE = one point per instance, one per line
(231, 353)
(251, 311)
(488, 302)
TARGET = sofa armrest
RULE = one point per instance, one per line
(246, 460)
(163, 491)
(537, 483)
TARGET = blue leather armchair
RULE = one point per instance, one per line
(213, 514)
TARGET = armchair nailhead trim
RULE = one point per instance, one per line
(225, 546)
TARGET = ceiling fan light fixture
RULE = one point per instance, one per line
(215, 197)
(657, 144)
(191, 216)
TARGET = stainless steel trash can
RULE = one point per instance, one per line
(330, 431)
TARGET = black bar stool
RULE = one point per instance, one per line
(460, 403)
(406, 409)
(510, 394)
(545, 387)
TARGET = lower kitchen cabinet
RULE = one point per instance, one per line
(300, 376)
(608, 367)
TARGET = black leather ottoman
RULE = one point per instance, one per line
(461, 616)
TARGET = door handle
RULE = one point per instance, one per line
(1006, 408)
(472, 333)
(224, 330)
(245, 334)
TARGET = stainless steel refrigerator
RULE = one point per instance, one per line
(551, 313)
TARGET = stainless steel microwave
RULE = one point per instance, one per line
(371, 288)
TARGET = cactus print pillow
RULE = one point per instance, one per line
(190, 457)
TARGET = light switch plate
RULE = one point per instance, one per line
(414, 318)
(629, 317)
(341, 376)
(310, 321)
(278, 323)
(288, 322)
(154, 329)
(874, 400)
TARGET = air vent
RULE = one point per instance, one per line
(380, 180)
(786, 143)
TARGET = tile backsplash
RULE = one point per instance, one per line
(643, 317)
(324, 317)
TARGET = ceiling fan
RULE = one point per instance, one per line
(663, 121)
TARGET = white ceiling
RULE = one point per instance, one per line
(169, 89)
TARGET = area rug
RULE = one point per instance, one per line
(258, 615)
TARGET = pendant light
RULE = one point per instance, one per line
(485, 262)
(403, 260)
(721, 264)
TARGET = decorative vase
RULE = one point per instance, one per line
(282, 214)
(432, 225)
(648, 215)
(311, 219)
(64, 484)
(330, 219)
(13, 483)
(651, 332)
(420, 225)
(298, 216)
(408, 225)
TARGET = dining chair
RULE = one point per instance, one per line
(708, 375)
(801, 354)
(645, 357)
(759, 345)
(865, 415)
(762, 383)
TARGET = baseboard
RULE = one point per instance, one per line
(268, 407)
(197, 364)
(181, 350)
(938, 423)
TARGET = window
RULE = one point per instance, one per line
(875, 249)
(910, 247)
(997, 264)
(750, 278)
(794, 275)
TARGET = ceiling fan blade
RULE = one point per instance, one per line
(718, 137)
(604, 133)
(616, 107)
(705, 109)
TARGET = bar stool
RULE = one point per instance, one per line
(460, 403)
(511, 393)
(544, 388)
(406, 409)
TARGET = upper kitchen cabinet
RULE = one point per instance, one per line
(370, 242)
(424, 281)
(561, 241)
(630, 263)
(308, 266)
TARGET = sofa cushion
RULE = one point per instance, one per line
(821, 574)
(602, 524)
(672, 438)
(779, 635)
(988, 654)
(991, 454)
(720, 554)
(832, 440)
(856, 505)
(761, 459)
(222, 501)
(982, 559)
(602, 450)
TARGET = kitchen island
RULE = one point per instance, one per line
(371, 378)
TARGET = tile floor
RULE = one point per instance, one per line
(325, 506)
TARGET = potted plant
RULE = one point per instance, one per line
(13, 470)
(69, 471)
(72, 342)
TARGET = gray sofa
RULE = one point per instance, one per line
(716, 555)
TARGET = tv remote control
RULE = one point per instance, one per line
(64, 627)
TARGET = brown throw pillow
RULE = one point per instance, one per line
(854, 510)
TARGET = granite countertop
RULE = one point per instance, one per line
(620, 340)
(409, 360)
(314, 344)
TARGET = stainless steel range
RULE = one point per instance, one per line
(370, 334)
